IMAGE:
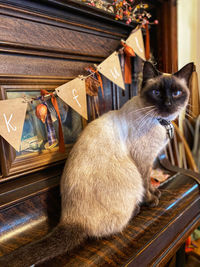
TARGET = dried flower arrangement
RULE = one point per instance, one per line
(128, 10)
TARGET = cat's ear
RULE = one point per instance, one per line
(185, 72)
(149, 72)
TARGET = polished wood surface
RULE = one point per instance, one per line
(150, 238)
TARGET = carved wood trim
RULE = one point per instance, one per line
(54, 21)
(55, 11)
(26, 49)
(28, 186)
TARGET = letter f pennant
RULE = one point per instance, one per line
(111, 69)
(73, 94)
(12, 116)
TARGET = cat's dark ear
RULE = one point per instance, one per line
(149, 72)
(185, 72)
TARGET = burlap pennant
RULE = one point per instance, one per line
(135, 41)
(73, 94)
(12, 114)
(111, 69)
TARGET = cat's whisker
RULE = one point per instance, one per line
(148, 114)
(144, 115)
(140, 109)
(139, 117)
(188, 115)
(153, 116)
(144, 123)
(144, 108)
(139, 112)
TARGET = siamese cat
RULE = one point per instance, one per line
(107, 174)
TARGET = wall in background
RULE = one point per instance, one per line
(188, 33)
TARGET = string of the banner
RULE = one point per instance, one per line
(127, 50)
(45, 95)
(49, 95)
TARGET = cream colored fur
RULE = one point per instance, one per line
(101, 184)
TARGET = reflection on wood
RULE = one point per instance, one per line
(150, 237)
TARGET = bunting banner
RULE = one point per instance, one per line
(12, 114)
(73, 93)
(111, 69)
(135, 41)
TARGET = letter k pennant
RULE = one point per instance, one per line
(12, 116)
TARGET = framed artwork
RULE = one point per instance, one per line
(35, 150)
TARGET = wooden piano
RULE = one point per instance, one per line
(44, 44)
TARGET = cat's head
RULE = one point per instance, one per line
(168, 93)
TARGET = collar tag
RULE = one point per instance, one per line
(168, 126)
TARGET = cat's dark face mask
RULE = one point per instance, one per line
(168, 93)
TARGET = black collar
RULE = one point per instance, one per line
(168, 126)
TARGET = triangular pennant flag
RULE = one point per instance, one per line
(111, 69)
(135, 41)
(73, 94)
(12, 116)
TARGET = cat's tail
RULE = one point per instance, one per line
(63, 238)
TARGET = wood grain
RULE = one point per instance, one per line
(42, 36)
(149, 238)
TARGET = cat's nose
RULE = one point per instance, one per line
(168, 102)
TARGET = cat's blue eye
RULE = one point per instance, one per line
(156, 92)
(176, 93)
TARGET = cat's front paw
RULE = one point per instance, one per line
(151, 200)
(157, 192)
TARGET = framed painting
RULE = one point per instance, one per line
(35, 150)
